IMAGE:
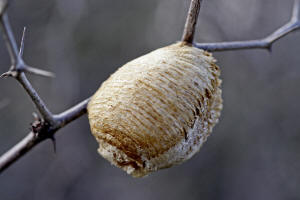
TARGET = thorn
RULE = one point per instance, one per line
(53, 139)
(35, 116)
(21, 51)
(3, 6)
(8, 74)
(296, 9)
(269, 48)
(39, 72)
(5, 75)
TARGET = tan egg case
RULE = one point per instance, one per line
(157, 110)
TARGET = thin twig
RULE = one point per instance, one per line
(21, 51)
(44, 131)
(264, 43)
(49, 124)
(38, 72)
(29, 69)
(191, 21)
(9, 39)
(18, 151)
(18, 65)
(72, 113)
(36, 99)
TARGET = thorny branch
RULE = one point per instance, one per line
(264, 43)
(45, 127)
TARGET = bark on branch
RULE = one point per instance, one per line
(264, 43)
(191, 21)
(42, 128)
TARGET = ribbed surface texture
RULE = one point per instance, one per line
(157, 110)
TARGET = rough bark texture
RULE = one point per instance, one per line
(191, 21)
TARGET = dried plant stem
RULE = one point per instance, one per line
(191, 21)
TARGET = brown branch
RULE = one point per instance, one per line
(191, 21)
(264, 43)
(45, 127)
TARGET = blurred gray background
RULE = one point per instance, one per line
(254, 151)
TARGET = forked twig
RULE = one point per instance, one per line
(45, 127)
(18, 65)
(264, 43)
(40, 132)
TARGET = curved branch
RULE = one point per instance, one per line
(265, 43)
(191, 21)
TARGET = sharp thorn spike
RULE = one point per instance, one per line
(53, 139)
(22, 43)
(35, 116)
(39, 72)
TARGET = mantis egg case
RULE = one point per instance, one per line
(157, 110)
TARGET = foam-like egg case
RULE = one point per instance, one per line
(157, 110)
